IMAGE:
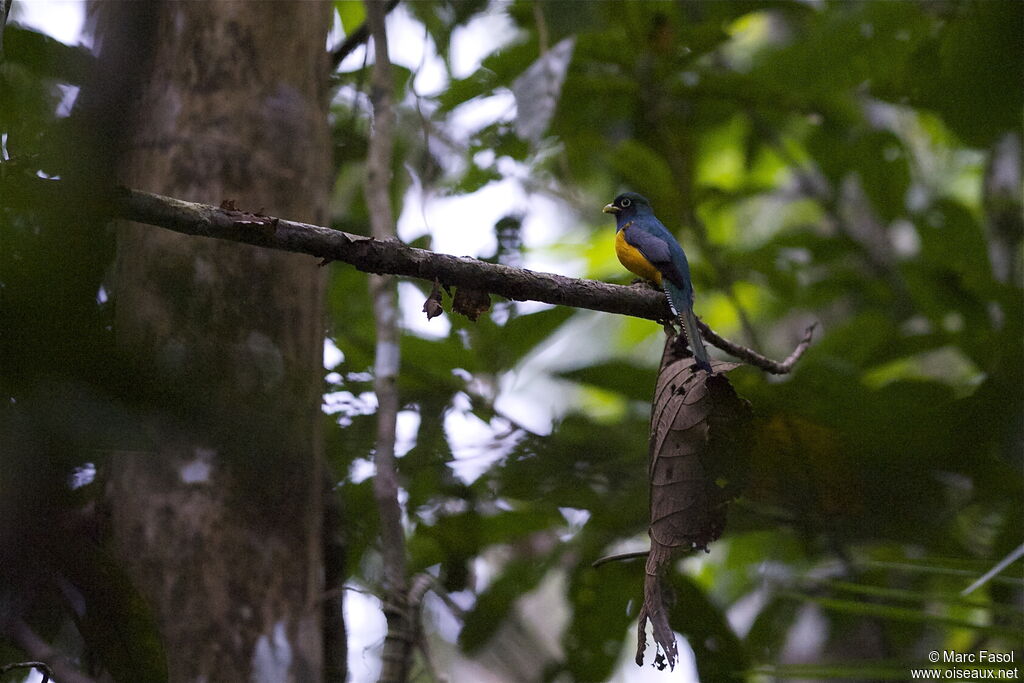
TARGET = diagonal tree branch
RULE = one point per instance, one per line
(753, 357)
(353, 40)
(5, 9)
(56, 665)
(379, 256)
(43, 667)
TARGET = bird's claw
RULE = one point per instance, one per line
(645, 283)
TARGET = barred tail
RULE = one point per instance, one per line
(682, 306)
(689, 321)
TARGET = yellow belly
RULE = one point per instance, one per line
(634, 261)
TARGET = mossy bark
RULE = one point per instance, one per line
(218, 515)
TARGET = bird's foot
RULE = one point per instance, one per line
(646, 284)
(703, 365)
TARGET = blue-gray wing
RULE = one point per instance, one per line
(659, 252)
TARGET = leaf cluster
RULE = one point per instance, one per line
(820, 162)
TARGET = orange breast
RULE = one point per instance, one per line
(634, 261)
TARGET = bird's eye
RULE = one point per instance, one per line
(626, 202)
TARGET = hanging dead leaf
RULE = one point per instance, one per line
(699, 446)
(471, 302)
(432, 306)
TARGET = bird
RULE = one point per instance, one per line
(646, 247)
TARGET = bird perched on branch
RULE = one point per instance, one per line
(647, 248)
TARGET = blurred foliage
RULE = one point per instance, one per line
(820, 161)
(65, 401)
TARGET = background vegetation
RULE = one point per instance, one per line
(851, 163)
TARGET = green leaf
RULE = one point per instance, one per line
(642, 167)
(117, 623)
(952, 238)
(891, 613)
(442, 18)
(46, 56)
(524, 333)
(582, 464)
(481, 82)
(719, 653)
(493, 606)
(633, 381)
(351, 13)
(971, 74)
(604, 602)
(475, 178)
(856, 671)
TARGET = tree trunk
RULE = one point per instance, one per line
(219, 516)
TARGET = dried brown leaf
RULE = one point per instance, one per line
(432, 306)
(699, 445)
(657, 602)
(471, 302)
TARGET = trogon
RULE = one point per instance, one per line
(646, 247)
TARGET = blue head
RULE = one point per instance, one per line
(626, 207)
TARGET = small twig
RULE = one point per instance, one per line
(542, 27)
(443, 595)
(58, 667)
(424, 122)
(355, 39)
(5, 9)
(1012, 557)
(334, 643)
(428, 661)
(421, 584)
(621, 557)
(754, 358)
(42, 666)
(360, 78)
